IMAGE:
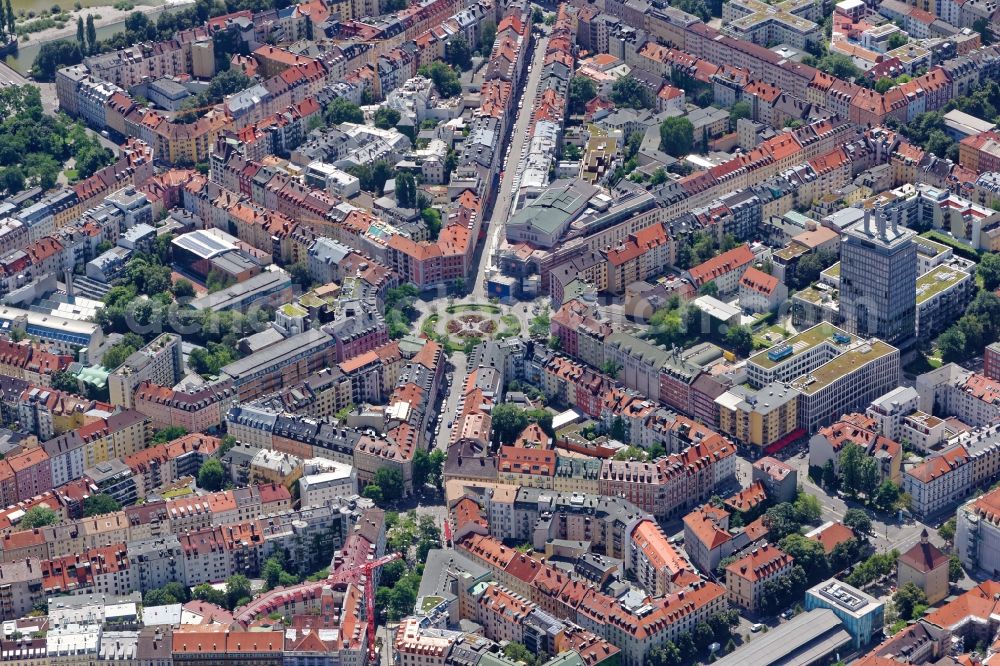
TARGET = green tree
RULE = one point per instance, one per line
(406, 190)
(808, 554)
(955, 570)
(516, 652)
(581, 91)
(275, 575)
(830, 481)
(846, 553)
(205, 592)
(228, 442)
(168, 434)
(779, 592)
(896, 40)
(782, 520)
(488, 36)
(907, 598)
(676, 136)
(432, 218)
(183, 289)
(980, 25)
(458, 54)
(888, 496)
(667, 654)
(839, 65)
(537, 15)
(540, 325)
(39, 516)
(12, 180)
(858, 521)
(80, 38)
(884, 84)
(629, 92)
(938, 143)
(508, 422)
(741, 109)
(947, 530)
(342, 110)
(444, 77)
(65, 381)
(436, 460)
(157, 597)
(238, 591)
(807, 507)
(97, 505)
(386, 118)
(373, 492)
(53, 56)
(989, 271)
(390, 480)
(740, 339)
(858, 470)
(952, 345)
(91, 34)
(211, 476)
(421, 468)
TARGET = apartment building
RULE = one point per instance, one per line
(657, 565)
(954, 391)
(939, 482)
(196, 409)
(747, 576)
(759, 418)
(942, 295)
(725, 270)
(827, 444)
(159, 362)
(761, 292)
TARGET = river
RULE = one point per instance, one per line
(25, 56)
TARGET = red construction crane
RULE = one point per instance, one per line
(352, 576)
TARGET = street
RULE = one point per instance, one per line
(501, 211)
(505, 198)
(450, 405)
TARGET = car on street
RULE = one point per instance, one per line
(754, 628)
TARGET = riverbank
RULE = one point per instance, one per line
(104, 16)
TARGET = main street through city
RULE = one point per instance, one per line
(504, 201)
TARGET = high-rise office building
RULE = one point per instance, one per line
(878, 271)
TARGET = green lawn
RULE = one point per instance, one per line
(960, 249)
(512, 327)
(921, 364)
(473, 307)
